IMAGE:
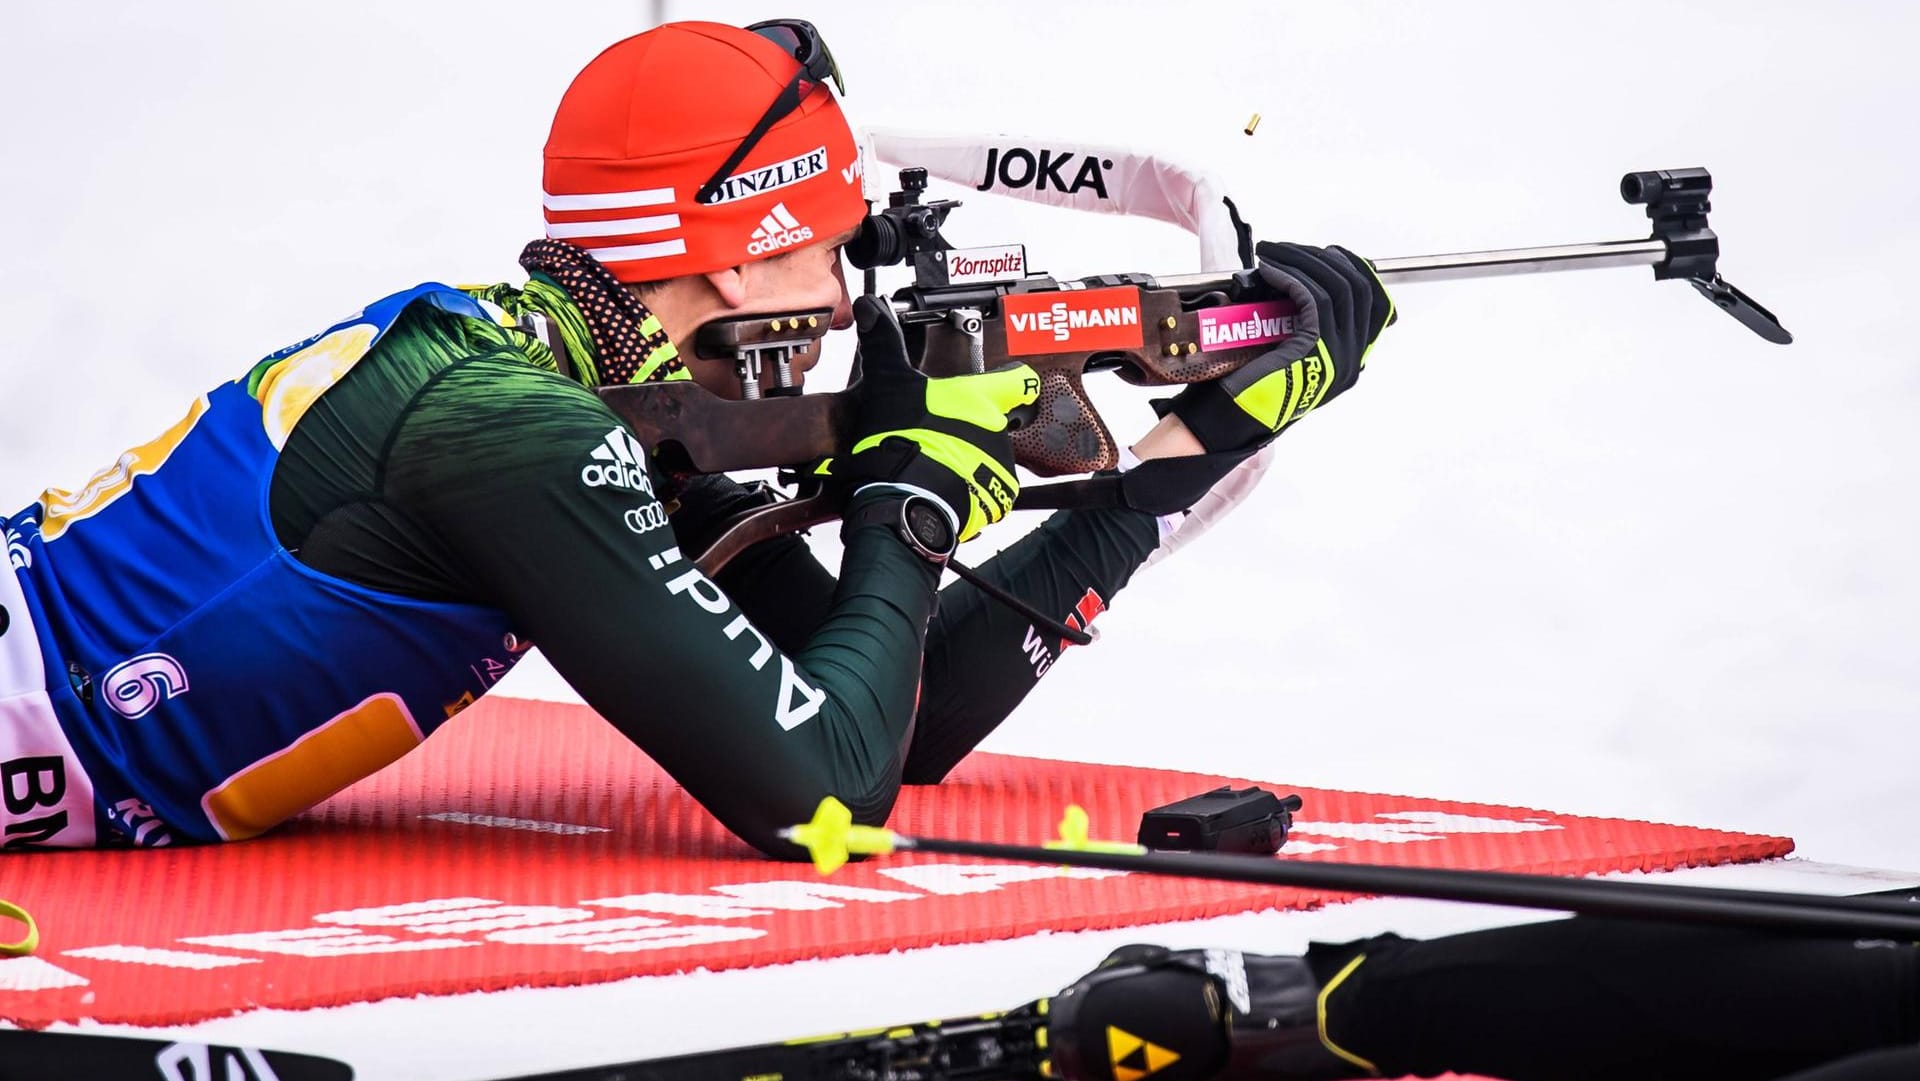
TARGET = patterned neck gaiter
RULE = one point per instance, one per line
(629, 344)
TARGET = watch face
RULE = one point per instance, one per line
(928, 526)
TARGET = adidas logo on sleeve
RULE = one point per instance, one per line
(618, 462)
(779, 229)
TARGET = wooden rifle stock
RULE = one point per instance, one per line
(1152, 337)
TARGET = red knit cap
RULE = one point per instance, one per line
(651, 118)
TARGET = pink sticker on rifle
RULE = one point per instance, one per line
(1239, 325)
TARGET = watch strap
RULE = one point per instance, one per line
(890, 511)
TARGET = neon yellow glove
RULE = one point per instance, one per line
(1340, 308)
(946, 437)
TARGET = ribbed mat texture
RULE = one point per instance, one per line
(528, 844)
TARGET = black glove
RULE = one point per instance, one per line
(1341, 307)
(945, 436)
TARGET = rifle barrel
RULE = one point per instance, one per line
(1486, 264)
(1490, 264)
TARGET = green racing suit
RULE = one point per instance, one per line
(452, 464)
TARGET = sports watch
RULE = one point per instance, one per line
(918, 520)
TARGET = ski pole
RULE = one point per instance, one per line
(831, 837)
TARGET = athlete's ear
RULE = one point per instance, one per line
(730, 284)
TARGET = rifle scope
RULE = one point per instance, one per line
(903, 228)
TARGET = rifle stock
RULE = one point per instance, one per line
(1150, 336)
(692, 430)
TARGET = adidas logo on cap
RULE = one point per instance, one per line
(779, 229)
(619, 462)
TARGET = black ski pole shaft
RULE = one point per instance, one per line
(1841, 917)
(831, 837)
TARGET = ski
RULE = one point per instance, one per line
(67, 1056)
(1010, 1046)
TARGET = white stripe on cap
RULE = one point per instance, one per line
(630, 252)
(610, 200)
(562, 230)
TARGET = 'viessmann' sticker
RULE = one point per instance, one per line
(1072, 321)
(1238, 325)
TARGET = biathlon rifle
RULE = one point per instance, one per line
(970, 309)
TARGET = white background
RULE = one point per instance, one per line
(1576, 542)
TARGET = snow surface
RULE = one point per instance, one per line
(1577, 542)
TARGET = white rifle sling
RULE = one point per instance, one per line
(1074, 175)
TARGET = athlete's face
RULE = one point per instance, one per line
(805, 278)
(811, 277)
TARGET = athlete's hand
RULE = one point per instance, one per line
(945, 436)
(1341, 307)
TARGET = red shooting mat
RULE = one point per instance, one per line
(528, 845)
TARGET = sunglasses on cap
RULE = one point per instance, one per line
(802, 42)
